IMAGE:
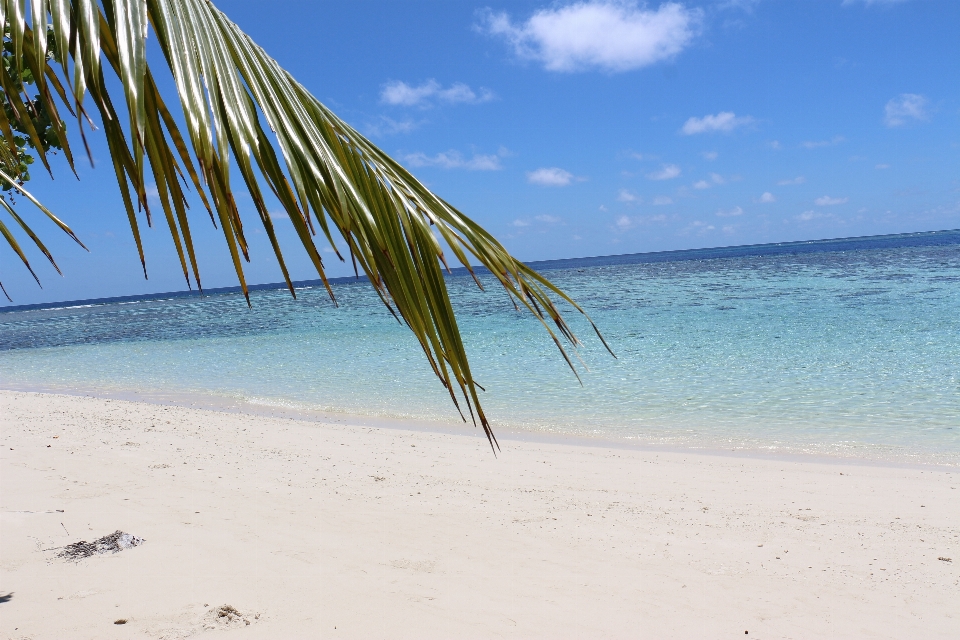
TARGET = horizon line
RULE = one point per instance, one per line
(706, 253)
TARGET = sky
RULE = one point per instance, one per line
(572, 129)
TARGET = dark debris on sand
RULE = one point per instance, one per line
(228, 615)
(116, 541)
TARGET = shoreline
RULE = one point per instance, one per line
(224, 404)
(332, 530)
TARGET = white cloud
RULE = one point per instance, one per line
(627, 196)
(610, 35)
(775, 144)
(483, 163)
(550, 177)
(453, 160)
(827, 201)
(403, 94)
(730, 213)
(624, 222)
(807, 216)
(906, 106)
(709, 155)
(668, 172)
(816, 144)
(883, 166)
(715, 178)
(698, 226)
(547, 219)
(723, 121)
(767, 197)
(661, 200)
(388, 126)
(797, 180)
(520, 223)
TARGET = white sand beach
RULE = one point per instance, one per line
(324, 531)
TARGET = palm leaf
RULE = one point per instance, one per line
(330, 176)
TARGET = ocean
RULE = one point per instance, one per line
(843, 348)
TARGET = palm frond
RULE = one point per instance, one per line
(331, 177)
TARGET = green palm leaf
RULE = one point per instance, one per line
(324, 173)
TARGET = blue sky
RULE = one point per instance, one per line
(591, 128)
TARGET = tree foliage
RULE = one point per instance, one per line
(21, 78)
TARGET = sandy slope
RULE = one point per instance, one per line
(334, 531)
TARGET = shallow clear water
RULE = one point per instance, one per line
(849, 353)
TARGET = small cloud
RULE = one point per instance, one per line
(662, 200)
(641, 156)
(816, 144)
(807, 216)
(775, 144)
(388, 126)
(624, 222)
(724, 121)
(520, 223)
(402, 94)
(547, 219)
(882, 166)
(906, 106)
(715, 178)
(453, 160)
(658, 218)
(550, 177)
(767, 197)
(668, 172)
(627, 196)
(797, 180)
(730, 213)
(698, 226)
(826, 201)
(709, 155)
(609, 35)
(483, 163)
(603, 207)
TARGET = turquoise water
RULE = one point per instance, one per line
(852, 353)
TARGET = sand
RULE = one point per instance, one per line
(311, 530)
